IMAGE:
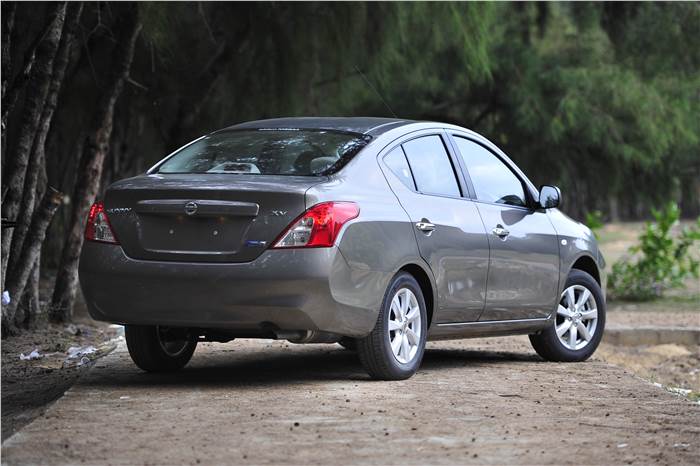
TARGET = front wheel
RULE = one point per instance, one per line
(159, 349)
(578, 326)
(394, 349)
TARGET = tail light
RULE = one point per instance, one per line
(98, 227)
(318, 227)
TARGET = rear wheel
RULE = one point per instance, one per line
(159, 349)
(577, 329)
(394, 349)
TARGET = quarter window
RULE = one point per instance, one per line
(396, 161)
(493, 181)
(431, 166)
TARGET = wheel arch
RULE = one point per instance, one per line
(427, 287)
(587, 264)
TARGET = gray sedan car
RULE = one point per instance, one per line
(379, 234)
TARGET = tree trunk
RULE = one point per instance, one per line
(29, 255)
(9, 10)
(37, 165)
(614, 208)
(14, 87)
(90, 171)
(37, 89)
(690, 194)
(30, 303)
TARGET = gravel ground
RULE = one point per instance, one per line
(473, 401)
(675, 366)
(28, 386)
(635, 319)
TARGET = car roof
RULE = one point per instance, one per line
(372, 126)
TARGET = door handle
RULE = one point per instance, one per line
(500, 232)
(425, 226)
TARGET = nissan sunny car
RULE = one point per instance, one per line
(378, 234)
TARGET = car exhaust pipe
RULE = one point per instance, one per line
(309, 336)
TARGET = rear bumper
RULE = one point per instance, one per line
(294, 289)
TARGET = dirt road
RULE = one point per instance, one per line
(478, 401)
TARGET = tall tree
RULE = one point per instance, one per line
(91, 164)
(9, 10)
(598, 98)
(37, 89)
(29, 255)
(36, 170)
(35, 184)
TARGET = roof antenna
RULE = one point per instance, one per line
(375, 90)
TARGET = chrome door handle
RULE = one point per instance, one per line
(425, 226)
(500, 232)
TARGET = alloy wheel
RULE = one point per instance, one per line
(577, 317)
(172, 344)
(404, 325)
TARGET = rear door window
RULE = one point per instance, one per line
(431, 166)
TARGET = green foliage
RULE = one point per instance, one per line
(584, 109)
(594, 221)
(599, 98)
(660, 260)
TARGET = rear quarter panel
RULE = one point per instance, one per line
(379, 241)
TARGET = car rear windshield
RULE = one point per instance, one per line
(267, 152)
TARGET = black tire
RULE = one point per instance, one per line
(149, 351)
(348, 343)
(375, 350)
(548, 345)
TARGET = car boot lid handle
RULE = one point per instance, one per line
(197, 207)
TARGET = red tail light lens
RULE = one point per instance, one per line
(98, 227)
(319, 226)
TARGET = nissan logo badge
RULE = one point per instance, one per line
(191, 208)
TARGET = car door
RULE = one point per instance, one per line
(523, 276)
(449, 232)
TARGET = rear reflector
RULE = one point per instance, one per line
(98, 227)
(318, 227)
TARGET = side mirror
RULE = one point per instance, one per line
(550, 197)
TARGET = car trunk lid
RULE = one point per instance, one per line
(203, 217)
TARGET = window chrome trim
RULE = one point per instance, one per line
(509, 167)
(456, 169)
(157, 165)
(531, 191)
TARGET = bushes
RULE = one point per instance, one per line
(659, 262)
(594, 221)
